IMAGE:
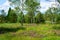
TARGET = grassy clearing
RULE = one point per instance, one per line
(31, 32)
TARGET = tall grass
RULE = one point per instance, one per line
(28, 32)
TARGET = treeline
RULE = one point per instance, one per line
(38, 17)
(13, 17)
(33, 14)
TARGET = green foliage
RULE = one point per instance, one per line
(31, 4)
(56, 27)
(51, 15)
(22, 19)
(11, 17)
(58, 18)
(39, 18)
(18, 15)
(3, 17)
(31, 8)
(58, 1)
(29, 17)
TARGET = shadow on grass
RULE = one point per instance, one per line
(5, 30)
(56, 27)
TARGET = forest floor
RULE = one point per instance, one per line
(13, 31)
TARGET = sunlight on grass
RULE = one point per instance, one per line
(33, 32)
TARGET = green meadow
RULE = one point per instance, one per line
(13, 31)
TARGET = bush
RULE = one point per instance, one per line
(5, 30)
(56, 27)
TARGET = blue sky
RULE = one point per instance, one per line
(4, 4)
(1, 2)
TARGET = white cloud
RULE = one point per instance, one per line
(45, 5)
(5, 6)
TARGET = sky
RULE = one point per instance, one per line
(45, 4)
(4, 4)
